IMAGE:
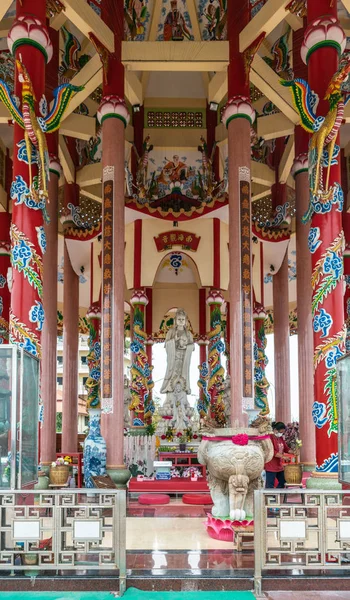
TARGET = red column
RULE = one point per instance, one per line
(49, 337)
(29, 40)
(280, 283)
(5, 263)
(70, 343)
(238, 117)
(304, 271)
(281, 342)
(113, 115)
(346, 225)
(326, 241)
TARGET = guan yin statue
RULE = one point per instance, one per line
(179, 346)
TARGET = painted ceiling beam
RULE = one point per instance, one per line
(346, 4)
(217, 87)
(58, 21)
(286, 160)
(172, 56)
(152, 36)
(94, 192)
(345, 24)
(90, 76)
(294, 21)
(90, 175)
(274, 126)
(5, 26)
(66, 161)
(133, 88)
(79, 126)
(262, 174)
(268, 82)
(5, 116)
(87, 21)
(4, 6)
(262, 194)
(268, 17)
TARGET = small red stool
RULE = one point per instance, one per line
(197, 499)
(154, 499)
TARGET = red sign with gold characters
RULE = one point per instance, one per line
(246, 282)
(185, 239)
(107, 290)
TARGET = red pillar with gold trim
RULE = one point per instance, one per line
(5, 262)
(29, 41)
(238, 116)
(114, 117)
(324, 41)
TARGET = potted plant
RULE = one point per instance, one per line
(182, 443)
(59, 470)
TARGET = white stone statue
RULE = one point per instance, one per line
(176, 385)
(179, 347)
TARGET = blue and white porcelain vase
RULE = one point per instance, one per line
(95, 451)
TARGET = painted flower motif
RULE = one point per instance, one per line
(95, 374)
(21, 254)
(332, 357)
(2, 281)
(36, 315)
(40, 232)
(97, 350)
(333, 264)
(113, 106)
(238, 106)
(319, 415)
(135, 347)
(29, 347)
(324, 31)
(34, 31)
(204, 369)
(323, 322)
(258, 374)
(220, 347)
(313, 240)
(241, 439)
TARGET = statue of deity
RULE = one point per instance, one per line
(179, 347)
(176, 385)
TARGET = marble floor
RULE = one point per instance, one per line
(164, 533)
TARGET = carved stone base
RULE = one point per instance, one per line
(326, 481)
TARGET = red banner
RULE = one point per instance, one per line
(185, 239)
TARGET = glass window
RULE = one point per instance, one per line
(60, 360)
(343, 384)
(29, 420)
(59, 380)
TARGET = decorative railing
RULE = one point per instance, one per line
(63, 530)
(300, 530)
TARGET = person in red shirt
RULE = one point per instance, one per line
(274, 468)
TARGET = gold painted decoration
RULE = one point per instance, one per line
(246, 282)
(107, 290)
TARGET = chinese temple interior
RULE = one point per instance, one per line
(174, 299)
